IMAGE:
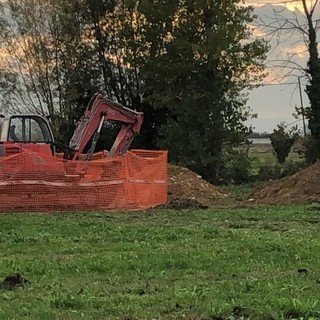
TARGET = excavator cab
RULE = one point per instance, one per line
(30, 132)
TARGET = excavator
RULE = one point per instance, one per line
(34, 176)
(32, 132)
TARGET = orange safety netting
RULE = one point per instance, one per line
(31, 181)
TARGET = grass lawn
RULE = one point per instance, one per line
(261, 263)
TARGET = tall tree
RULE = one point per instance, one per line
(313, 72)
(303, 23)
(184, 63)
(48, 67)
(118, 29)
(25, 69)
(201, 60)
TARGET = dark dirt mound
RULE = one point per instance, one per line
(302, 186)
(186, 189)
(13, 281)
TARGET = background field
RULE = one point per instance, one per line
(255, 263)
(263, 153)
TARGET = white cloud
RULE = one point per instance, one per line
(299, 51)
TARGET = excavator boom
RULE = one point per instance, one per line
(101, 109)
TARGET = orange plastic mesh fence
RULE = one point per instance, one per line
(31, 181)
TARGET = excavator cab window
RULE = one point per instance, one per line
(29, 128)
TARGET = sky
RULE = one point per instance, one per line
(276, 99)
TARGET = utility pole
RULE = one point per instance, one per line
(302, 109)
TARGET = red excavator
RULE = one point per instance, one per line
(33, 132)
(35, 177)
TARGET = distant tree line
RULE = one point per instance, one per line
(258, 135)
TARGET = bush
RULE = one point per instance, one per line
(282, 142)
(277, 171)
(291, 168)
(311, 152)
(269, 172)
(237, 167)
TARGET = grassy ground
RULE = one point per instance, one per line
(258, 263)
(263, 154)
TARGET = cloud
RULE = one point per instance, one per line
(299, 51)
(275, 76)
(256, 32)
(290, 5)
(288, 53)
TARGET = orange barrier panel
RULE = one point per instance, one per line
(34, 182)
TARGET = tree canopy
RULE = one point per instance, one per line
(184, 63)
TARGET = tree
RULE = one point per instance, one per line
(47, 68)
(120, 34)
(282, 141)
(313, 72)
(303, 21)
(185, 64)
(24, 70)
(201, 60)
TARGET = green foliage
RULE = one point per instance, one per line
(276, 171)
(269, 172)
(227, 263)
(282, 142)
(291, 167)
(237, 167)
(311, 151)
(185, 64)
(313, 87)
(266, 167)
(205, 65)
(243, 191)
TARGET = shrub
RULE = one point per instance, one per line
(277, 171)
(269, 172)
(291, 168)
(282, 142)
(311, 152)
(237, 167)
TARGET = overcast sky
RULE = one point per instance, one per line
(275, 101)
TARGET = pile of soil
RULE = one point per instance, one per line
(186, 189)
(302, 186)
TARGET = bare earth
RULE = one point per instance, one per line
(186, 189)
(298, 188)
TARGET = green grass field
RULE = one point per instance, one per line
(262, 154)
(254, 263)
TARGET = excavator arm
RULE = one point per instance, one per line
(101, 109)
